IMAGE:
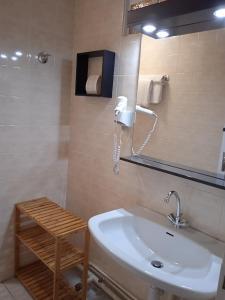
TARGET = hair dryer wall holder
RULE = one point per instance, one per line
(126, 118)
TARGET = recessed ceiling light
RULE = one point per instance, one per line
(149, 28)
(3, 55)
(19, 53)
(162, 34)
(219, 13)
(14, 58)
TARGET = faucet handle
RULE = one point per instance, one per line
(172, 218)
(179, 223)
(183, 223)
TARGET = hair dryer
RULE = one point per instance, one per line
(126, 118)
(145, 111)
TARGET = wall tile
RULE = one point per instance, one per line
(12, 10)
(154, 195)
(43, 11)
(34, 116)
(92, 119)
(204, 211)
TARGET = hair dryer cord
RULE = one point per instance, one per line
(139, 151)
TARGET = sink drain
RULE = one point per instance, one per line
(157, 264)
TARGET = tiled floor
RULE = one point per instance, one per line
(13, 290)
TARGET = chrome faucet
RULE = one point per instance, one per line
(177, 220)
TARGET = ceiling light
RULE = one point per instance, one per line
(3, 55)
(149, 28)
(14, 58)
(219, 13)
(162, 34)
(19, 53)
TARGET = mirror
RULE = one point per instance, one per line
(175, 16)
(191, 108)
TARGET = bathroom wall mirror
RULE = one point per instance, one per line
(190, 105)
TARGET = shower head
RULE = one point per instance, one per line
(42, 57)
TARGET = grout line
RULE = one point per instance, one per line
(9, 291)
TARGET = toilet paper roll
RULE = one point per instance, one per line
(93, 85)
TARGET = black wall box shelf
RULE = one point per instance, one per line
(107, 72)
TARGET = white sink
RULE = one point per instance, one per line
(191, 260)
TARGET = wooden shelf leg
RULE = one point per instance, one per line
(16, 241)
(85, 266)
(57, 270)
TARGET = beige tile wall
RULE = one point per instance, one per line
(34, 108)
(193, 110)
(92, 186)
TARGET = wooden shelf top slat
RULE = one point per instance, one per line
(51, 217)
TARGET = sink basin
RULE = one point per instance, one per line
(184, 262)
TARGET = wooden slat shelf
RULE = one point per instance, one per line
(52, 217)
(44, 227)
(42, 244)
(39, 281)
